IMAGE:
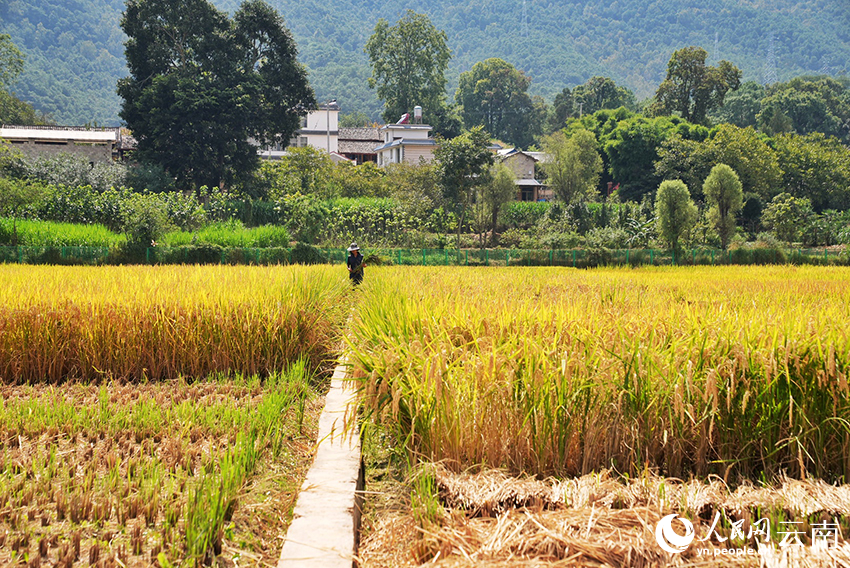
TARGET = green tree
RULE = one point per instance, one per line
(494, 95)
(499, 191)
(740, 107)
(725, 197)
(574, 165)
(675, 212)
(202, 85)
(409, 62)
(692, 88)
(601, 93)
(743, 149)
(12, 109)
(805, 105)
(15, 195)
(11, 61)
(787, 216)
(463, 165)
(815, 167)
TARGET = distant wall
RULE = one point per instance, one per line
(94, 152)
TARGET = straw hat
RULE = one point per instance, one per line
(353, 247)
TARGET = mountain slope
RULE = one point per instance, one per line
(75, 53)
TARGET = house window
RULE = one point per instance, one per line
(527, 194)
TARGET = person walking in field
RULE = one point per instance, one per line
(355, 264)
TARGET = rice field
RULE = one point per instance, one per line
(165, 415)
(738, 372)
(547, 417)
(151, 323)
(159, 416)
(167, 473)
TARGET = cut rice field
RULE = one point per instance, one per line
(736, 375)
(168, 473)
(159, 416)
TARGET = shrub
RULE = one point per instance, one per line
(304, 253)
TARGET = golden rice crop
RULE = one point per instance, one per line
(153, 323)
(736, 371)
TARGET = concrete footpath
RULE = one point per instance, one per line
(326, 520)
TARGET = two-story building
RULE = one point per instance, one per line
(406, 143)
(522, 164)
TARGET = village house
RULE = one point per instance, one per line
(522, 164)
(358, 144)
(95, 144)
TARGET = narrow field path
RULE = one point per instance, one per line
(326, 519)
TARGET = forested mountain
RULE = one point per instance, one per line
(75, 53)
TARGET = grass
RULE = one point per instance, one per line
(739, 372)
(53, 234)
(231, 234)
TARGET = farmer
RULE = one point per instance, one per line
(355, 264)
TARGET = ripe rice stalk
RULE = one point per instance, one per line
(728, 371)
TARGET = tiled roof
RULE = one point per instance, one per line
(358, 146)
(365, 133)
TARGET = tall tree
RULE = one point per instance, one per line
(201, 85)
(600, 93)
(500, 190)
(494, 95)
(409, 62)
(725, 197)
(692, 88)
(574, 165)
(675, 212)
(463, 165)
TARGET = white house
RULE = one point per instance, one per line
(405, 143)
(319, 129)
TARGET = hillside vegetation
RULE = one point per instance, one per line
(75, 49)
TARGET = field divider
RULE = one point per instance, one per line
(326, 521)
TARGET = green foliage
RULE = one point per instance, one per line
(492, 197)
(303, 253)
(599, 93)
(786, 216)
(740, 107)
(632, 147)
(743, 149)
(230, 234)
(494, 95)
(815, 167)
(675, 212)
(574, 165)
(692, 88)
(145, 221)
(74, 170)
(805, 105)
(415, 188)
(523, 214)
(53, 234)
(303, 216)
(463, 164)
(202, 84)
(409, 62)
(725, 198)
